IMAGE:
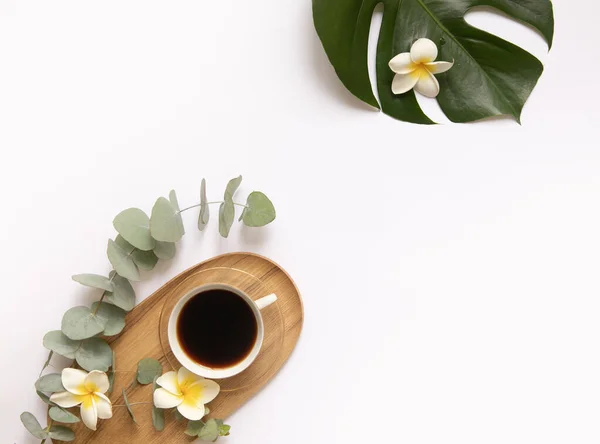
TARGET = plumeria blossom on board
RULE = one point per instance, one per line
(87, 389)
(416, 69)
(186, 391)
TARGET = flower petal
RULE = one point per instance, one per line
(164, 399)
(97, 381)
(404, 82)
(210, 390)
(427, 84)
(402, 64)
(191, 412)
(186, 377)
(89, 414)
(74, 381)
(438, 67)
(66, 399)
(103, 406)
(169, 382)
(423, 51)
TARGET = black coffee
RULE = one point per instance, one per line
(217, 329)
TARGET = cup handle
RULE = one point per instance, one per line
(265, 301)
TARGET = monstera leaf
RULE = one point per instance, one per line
(490, 76)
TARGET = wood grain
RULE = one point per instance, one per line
(142, 338)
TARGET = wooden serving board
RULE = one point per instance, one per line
(141, 338)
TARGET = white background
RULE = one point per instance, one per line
(449, 273)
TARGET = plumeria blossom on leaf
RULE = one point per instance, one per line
(186, 391)
(416, 69)
(87, 389)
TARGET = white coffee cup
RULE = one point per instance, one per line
(218, 373)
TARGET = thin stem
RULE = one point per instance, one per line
(104, 293)
(131, 403)
(209, 203)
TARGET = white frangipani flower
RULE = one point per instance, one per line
(416, 69)
(87, 389)
(186, 391)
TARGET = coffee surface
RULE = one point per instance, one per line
(217, 329)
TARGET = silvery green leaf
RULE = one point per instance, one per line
(178, 416)
(148, 369)
(194, 427)
(61, 433)
(59, 343)
(165, 223)
(111, 373)
(232, 187)
(121, 242)
(47, 363)
(128, 406)
(45, 398)
(94, 354)
(204, 207)
(173, 200)
(165, 250)
(259, 210)
(134, 225)
(158, 419)
(122, 261)
(61, 415)
(112, 316)
(210, 431)
(33, 426)
(124, 295)
(226, 216)
(146, 260)
(50, 383)
(224, 429)
(94, 281)
(81, 323)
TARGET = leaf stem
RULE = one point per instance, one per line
(104, 293)
(131, 403)
(210, 203)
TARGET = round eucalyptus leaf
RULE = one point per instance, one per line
(44, 398)
(165, 222)
(145, 260)
(193, 427)
(50, 383)
(94, 354)
(57, 342)
(210, 431)
(122, 261)
(121, 242)
(81, 323)
(148, 369)
(112, 316)
(61, 415)
(123, 296)
(226, 216)
(158, 419)
(33, 426)
(94, 281)
(259, 210)
(165, 250)
(61, 433)
(134, 225)
(204, 207)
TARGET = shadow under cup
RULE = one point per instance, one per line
(260, 359)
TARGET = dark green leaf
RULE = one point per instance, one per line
(165, 223)
(94, 281)
(124, 295)
(94, 354)
(194, 427)
(259, 210)
(59, 343)
(165, 250)
(61, 415)
(490, 76)
(129, 410)
(204, 207)
(111, 316)
(61, 433)
(33, 426)
(50, 383)
(122, 261)
(148, 369)
(81, 323)
(134, 225)
(158, 418)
